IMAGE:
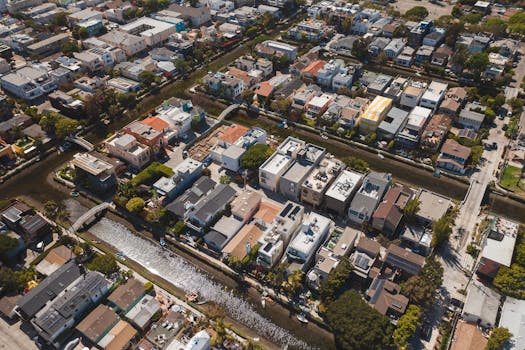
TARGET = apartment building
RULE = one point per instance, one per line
(411, 96)
(339, 194)
(317, 183)
(184, 175)
(153, 32)
(374, 114)
(28, 83)
(411, 133)
(434, 95)
(129, 43)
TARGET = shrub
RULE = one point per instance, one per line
(151, 174)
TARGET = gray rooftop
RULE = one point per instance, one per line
(394, 121)
(48, 289)
(191, 196)
(209, 206)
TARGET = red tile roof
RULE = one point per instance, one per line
(314, 67)
(233, 133)
(156, 123)
(265, 89)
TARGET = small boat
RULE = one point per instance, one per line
(162, 242)
(302, 318)
(120, 256)
(263, 302)
(202, 302)
(74, 194)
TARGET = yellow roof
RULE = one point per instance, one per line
(376, 109)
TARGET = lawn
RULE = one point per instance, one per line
(511, 178)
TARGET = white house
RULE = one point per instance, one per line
(434, 95)
(127, 147)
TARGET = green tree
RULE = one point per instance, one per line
(332, 286)
(411, 209)
(147, 78)
(472, 18)
(128, 100)
(255, 156)
(496, 26)
(360, 49)
(69, 47)
(441, 230)
(7, 243)
(106, 264)
(517, 23)
(294, 284)
(417, 13)
(407, 326)
(65, 127)
(60, 19)
(511, 281)
(48, 122)
(280, 105)
(178, 228)
(225, 179)
(456, 12)
(135, 205)
(247, 96)
(196, 122)
(14, 281)
(460, 56)
(356, 325)
(182, 66)
(498, 337)
(421, 289)
(477, 63)
(452, 33)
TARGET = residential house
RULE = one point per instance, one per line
(47, 290)
(64, 311)
(344, 45)
(378, 46)
(48, 46)
(434, 95)
(120, 337)
(54, 259)
(481, 305)
(435, 37)
(410, 135)
(224, 85)
(266, 214)
(472, 116)
(389, 212)
(97, 323)
(318, 105)
(28, 83)
(394, 121)
(197, 16)
(350, 114)
(468, 336)
(403, 259)
(326, 74)
(432, 206)
(418, 33)
(129, 43)
(441, 56)
(406, 57)
(245, 205)
(310, 30)
(498, 247)
(394, 48)
(453, 156)
(270, 48)
(143, 311)
(207, 208)
(183, 204)
(243, 242)
(417, 237)
(453, 101)
(145, 134)
(339, 194)
(385, 296)
(311, 235)
(279, 233)
(127, 148)
(436, 132)
(423, 54)
(368, 196)
(412, 95)
(365, 256)
(379, 85)
(99, 173)
(184, 175)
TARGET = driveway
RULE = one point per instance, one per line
(13, 337)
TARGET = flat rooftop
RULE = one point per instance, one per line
(344, 185)
(276, 163)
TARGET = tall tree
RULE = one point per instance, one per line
(421, 289)
(356, 325)
(411, 209)
(407, 326)
(441, 230)
(336, 280)
(498, 338)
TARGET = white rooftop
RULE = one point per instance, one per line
(418, 117)
(311, 235)
(344, 185)
(513, 318)
(276, 163)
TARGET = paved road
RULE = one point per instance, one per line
(13, 338)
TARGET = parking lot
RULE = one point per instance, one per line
(434, 11)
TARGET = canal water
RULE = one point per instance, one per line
(187, 277)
